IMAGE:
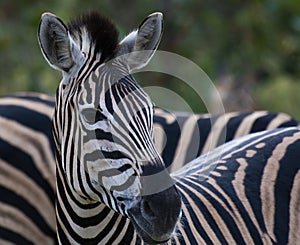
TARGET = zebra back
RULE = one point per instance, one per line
(181, 136)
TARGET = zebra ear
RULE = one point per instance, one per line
(140, 45)
(55, 42)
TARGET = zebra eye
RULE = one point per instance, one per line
(92, 115)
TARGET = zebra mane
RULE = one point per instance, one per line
(92, 31)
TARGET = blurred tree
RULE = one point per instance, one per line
(256, 43)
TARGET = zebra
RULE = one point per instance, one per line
(24, 113)
(28, 114)
(15, 107)
(112, 186)
(27, 170)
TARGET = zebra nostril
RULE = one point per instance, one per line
(147, 211)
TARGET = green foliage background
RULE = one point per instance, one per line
(257, 42)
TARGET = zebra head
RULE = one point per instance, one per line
(103, 122)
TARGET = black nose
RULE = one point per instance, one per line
(163, 207)
(156, 215)
(148, 210)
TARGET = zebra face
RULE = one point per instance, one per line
(103, 122)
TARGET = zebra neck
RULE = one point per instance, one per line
(81, 222)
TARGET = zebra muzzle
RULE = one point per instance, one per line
(155, 216)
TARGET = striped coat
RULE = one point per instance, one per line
(27, 179)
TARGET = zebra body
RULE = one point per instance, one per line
(26, 116)
(112, 185)
(27, 176)
(220, 222)
(227, 211)
(244, 192)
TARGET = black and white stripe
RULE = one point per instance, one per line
(27, 171)
(184, 136)
(244, 192)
